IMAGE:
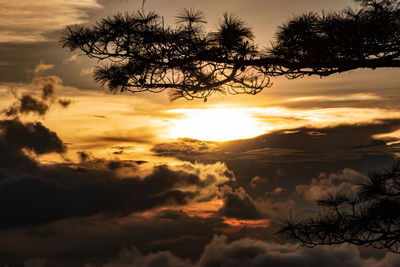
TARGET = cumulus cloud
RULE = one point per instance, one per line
(27, 21)
(278, 203)
(238, 204)
(132, 257)
(345, 182)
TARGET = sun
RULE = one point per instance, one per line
(215, 124)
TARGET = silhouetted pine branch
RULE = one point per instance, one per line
(369, 218)
(145, 55)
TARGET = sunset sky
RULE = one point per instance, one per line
(103, 179)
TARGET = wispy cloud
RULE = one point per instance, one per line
(42, 67)
(86, 71)
(29, 21)
(73, 58)
(348, 97)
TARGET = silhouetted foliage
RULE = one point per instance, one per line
(146, 55)
(337, 42)
(370, 217)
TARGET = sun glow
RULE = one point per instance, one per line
(216, 124)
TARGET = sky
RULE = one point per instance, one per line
(94, 178)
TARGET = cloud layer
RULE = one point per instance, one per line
(55, 192)
(27, 21)
(255, 253)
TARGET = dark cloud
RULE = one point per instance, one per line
(116, 164)
(49, 85)
(39, 101)
(64, 102)
(33, 136)
(61, 191)
(129, 139)
(16, 136)
(255, 253)
(83, 155)
(184, 147)
(141, 135)
(100, 116)
(238, 204)
(29, 104)
(31, 193)
(342, 137)
(97, 239)
(121, 149)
